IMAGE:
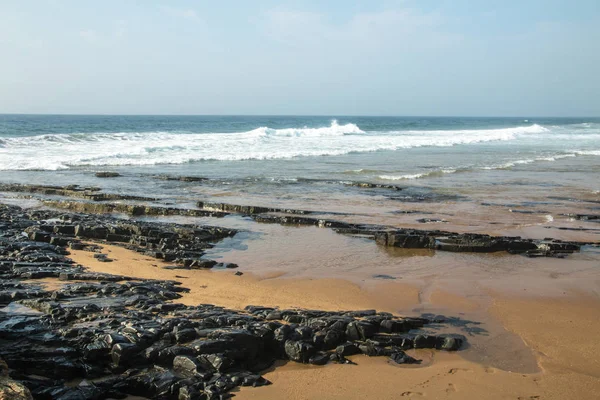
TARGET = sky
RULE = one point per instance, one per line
(336, 57)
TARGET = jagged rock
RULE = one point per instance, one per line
(215, 362)
(123, 354)
(347, 349)
(299, 351)
(189, 366)
(98, 328)
(360, 330)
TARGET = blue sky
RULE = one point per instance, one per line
(522, 58)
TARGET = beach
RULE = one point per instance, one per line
(556, 329)
(479, 234)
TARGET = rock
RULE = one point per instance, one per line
(339, 359)
(123, 354)
(401, 325)
(425, 341)
(360, 330)
(299, 351)
(430, 220)
(13, 390)
(383, 276)
(189, 366)
(332, 338)
(215, 362)
(374, 349)
(10, 389)
(449, 343)
(347, 349)
(185, 335)
(400, 357)
(182, 178)
(107, 174)
(96, 326)
(320, 358)
(166, 355)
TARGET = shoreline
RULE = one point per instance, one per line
(527, 321)
(542, 322)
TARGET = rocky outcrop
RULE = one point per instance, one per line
(130, 209)
(584, 217)
(181, 178)
(119, 336)
(436, 239)
(87, 193)
(385, 236)
(180, 244)
(247, 210)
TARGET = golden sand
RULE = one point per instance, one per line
(561, 332)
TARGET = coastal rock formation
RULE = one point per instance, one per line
(107, 174)
(392, 237)
(118, 336)
(87, 193)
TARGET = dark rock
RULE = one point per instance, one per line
(425, 342)
(103, 324)
(400, 357)
(347, 349)
(189, 366)
(383, 276)
(123, 354)
(449, 343)
(299, 351)
(107, 174)
(360, 330)
(215, 362)
(319, 359)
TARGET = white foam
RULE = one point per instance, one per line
(588, 152)
(59, 151)
(514, 163)
(401, 177)
(417, 176)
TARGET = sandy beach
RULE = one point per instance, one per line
(297, 200)
(557, 331)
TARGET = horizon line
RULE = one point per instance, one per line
(299, 115)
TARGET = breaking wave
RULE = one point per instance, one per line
(505, 165)
(430, 174)
(61, 151)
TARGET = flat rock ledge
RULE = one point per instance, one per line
(96, 202)
(101, 336)
(385, 236)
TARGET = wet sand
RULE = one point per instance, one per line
(557, 330)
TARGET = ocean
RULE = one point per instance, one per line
(447, 166)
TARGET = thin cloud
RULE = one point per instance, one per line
(389, 29)
(186, 13)
(89, 34)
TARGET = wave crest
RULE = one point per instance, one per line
(59, 151)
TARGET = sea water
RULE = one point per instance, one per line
(447, 166)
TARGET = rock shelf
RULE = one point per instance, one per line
(105, 336)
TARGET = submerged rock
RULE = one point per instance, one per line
(107, 174)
